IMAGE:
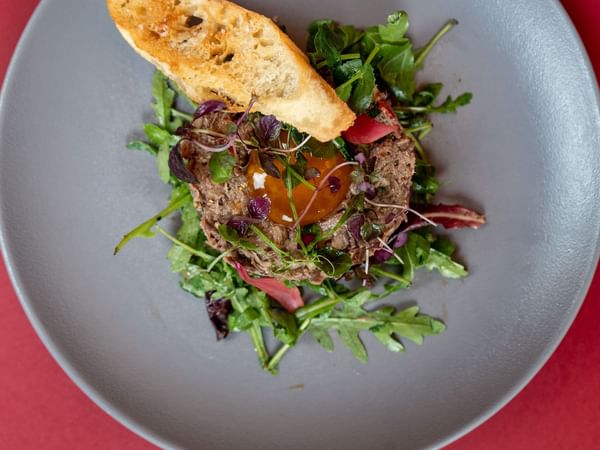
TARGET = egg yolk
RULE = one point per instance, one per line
(275, 189)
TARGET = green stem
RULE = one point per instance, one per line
(424, 127)
(298, 232)
(263, 237)
(297, 176)
(183, 245)
(343, 57)
(144, 229)
(276, 358)
(181, 115)
(420, 149)
(212, 265)
(413, 109)
(384, 273)
(358, 75)
(423, 52)
(317, 307)
(256, 335)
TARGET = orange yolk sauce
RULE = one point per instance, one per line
(261, 184)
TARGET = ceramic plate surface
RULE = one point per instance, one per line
(525, 152)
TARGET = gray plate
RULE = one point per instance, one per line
(526, 152)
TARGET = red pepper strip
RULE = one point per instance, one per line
(367, 130)
(287, 297)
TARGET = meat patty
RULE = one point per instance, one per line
(392, 160)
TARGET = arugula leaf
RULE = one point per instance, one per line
(346, 71)
(327, 40)
(349, 318)
(344, 91)
(321, 149)
(143, 146)
(221, 166)
(424, 184)
(322, 337)
(451, 105)
(334, 263)
(285, 327)
(362, 94)
(396, 64)
(396, 28)
(423, 102)
(158, 136)
(164, 98)
(445, 265)
(189, 233)
(162, 163)
(145, 229)
(427, 95)
(327, 44)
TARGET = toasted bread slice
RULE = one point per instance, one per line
(215, 49)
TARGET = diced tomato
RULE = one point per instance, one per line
(367, 130)
(288, 297)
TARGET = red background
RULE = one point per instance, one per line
(41, 408)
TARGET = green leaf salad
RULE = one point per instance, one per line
(373, 70)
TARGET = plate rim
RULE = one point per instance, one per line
(143, 431)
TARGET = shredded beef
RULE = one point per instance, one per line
(393, 166)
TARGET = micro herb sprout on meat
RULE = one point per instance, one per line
(374, 71)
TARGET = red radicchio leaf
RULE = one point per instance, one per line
(218, 311)
(208, 107)
(288, 297)
(380, 256)
(367, 130)
(334, 184)
(354, 225)
(178, 167)
(259, 208)
(308, 238)
(449, 216)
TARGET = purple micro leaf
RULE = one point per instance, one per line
(259, 208)
(368, 189)
(239, 224)
(334, 184)
(360, 158)
(389, 218)
(354, 224)
(399, 240)
(208, 107)
(218, 312)
(178, 167)
(268, 129)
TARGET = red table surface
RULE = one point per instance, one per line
(40, 408)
